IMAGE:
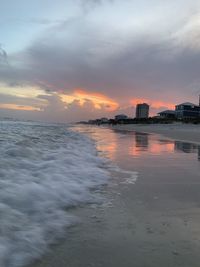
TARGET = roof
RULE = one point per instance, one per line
(123, 115)
(167, 111)
(187, 104)
(142, 104)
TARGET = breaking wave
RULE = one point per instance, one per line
(44, 169)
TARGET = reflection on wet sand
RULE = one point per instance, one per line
(109, 143)
(156, 217)
(147, 143)
(187, 148)
(141, 140)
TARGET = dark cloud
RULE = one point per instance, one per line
(142, 69)
(79, 54)
(68, 63)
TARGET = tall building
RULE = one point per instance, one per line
(142, 111)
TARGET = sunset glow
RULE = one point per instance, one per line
(18, 107)
(99, 101)
(153, 103)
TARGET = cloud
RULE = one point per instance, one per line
(89, 5)
(18, 107)
(59, 111)
(123, 51)
(3, 56)
(22, 101)
(98, 100)
(39, 20)
(188, 35)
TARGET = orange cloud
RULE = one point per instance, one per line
(99, 101)
(18, 107)
(152, 103)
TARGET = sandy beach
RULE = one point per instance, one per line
(152, 222)
(178, 131)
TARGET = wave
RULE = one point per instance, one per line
(44, 169)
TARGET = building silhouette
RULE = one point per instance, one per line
(121, 117)
(187, 110)
(142, 111)
(167, 114)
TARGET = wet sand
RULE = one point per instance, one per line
(178, 131)
(152, 223)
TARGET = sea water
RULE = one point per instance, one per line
(44, 169)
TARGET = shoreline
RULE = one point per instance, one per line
(181, 132)
(152, 222)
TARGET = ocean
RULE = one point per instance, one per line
(45, 169)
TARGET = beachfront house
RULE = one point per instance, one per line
(121, 117)
(187, 110)
(104, 120)
(167, 114)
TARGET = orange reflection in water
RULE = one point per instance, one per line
(158, 148)
(139, 144)
(107, 143)
(144, 143)
(112, 143)
(111, 150)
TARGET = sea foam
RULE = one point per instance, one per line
(44, 169)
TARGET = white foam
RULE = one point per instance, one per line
(104, 138)
(43, 170)
(126, 176)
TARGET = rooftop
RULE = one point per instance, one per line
(141, 104)
(187, 104)
(167, 111)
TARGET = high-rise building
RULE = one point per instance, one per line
(142, 111)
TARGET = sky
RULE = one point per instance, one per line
(72, 60)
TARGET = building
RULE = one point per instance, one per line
(121, 117)
(187, 110)
(186, 147)
(104, 120)
(142, 111)
(167, 114)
